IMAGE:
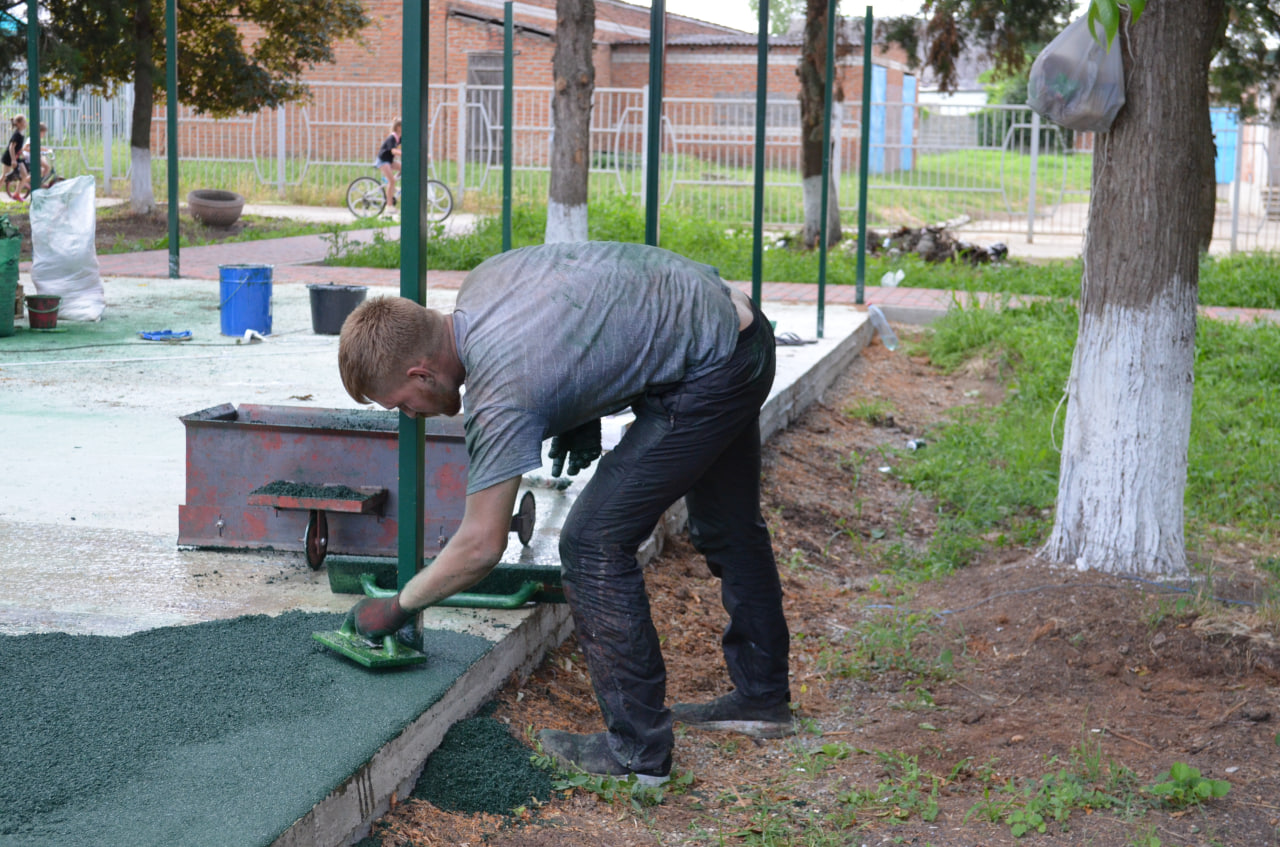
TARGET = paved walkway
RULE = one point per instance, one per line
(298, 260)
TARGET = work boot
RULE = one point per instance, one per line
(590, 753)
(733, 713)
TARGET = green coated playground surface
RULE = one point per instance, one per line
(219, 734)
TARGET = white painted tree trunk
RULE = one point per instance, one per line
(811, 189)
(1124, 452)
(575, 80)
(1124, 457)
(566, 223)
(142, 199)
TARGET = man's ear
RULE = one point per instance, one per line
(422, 371)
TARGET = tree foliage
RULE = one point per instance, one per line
(780, 14)
(1002, 30)
(1246, 64)
(95, 45)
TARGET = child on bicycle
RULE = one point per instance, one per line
(388, 162)
(12, 156)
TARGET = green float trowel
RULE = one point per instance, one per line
(391, 653)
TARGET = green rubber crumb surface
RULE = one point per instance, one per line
(220, 733)
(481, 767)
(284, 488)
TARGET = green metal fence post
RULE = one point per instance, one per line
(171, 126)
(33, 83)
(864, 157)
(827, 95)
(653, 148)
(411, 444)
(508, 97)
(762, 103)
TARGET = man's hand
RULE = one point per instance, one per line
(375, 617)
(581, 444)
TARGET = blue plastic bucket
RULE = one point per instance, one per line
(245, 292)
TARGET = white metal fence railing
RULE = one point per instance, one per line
(995, 169)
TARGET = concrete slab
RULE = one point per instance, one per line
(93, 459)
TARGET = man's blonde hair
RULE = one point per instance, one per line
(382, 339)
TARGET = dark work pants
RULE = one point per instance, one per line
(700, 440)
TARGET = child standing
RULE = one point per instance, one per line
(12, 155)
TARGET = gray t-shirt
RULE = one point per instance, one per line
(559, 334)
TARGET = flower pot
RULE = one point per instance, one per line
(213, 207)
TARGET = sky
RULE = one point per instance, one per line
(738, 14)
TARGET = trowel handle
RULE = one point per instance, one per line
(369, 584)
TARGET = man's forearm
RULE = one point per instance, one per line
(457, 568)
(473, 551)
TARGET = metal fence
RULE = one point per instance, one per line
(995, 169)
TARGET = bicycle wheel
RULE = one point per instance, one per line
(439, 201)
(365, 197)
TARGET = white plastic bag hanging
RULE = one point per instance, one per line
(64, 258)
(1076, 81)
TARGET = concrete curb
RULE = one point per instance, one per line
(788, 404)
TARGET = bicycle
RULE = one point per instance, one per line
(367, 197)
(13, 181)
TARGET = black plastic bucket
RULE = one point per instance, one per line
(331, 303)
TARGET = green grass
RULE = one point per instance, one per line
(1246, 281)
(994, 471)
(885, 643)
(1233, 474)
(257, 228)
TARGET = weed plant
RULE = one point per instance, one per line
(885, 643)
(617, 791)
(1182, 786)
(1087, 783)
(908, 790)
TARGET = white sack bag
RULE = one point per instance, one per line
(64, 256)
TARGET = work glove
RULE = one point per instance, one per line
(375, 617)
(581, 445)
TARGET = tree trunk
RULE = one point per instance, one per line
(141, 198)
(1128, 421)
(812, 71)
(575, 80)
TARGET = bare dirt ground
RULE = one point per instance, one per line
(1052, 669)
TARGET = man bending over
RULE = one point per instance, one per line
(547, 340)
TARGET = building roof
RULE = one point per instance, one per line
(616, 21)
(851, 30)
